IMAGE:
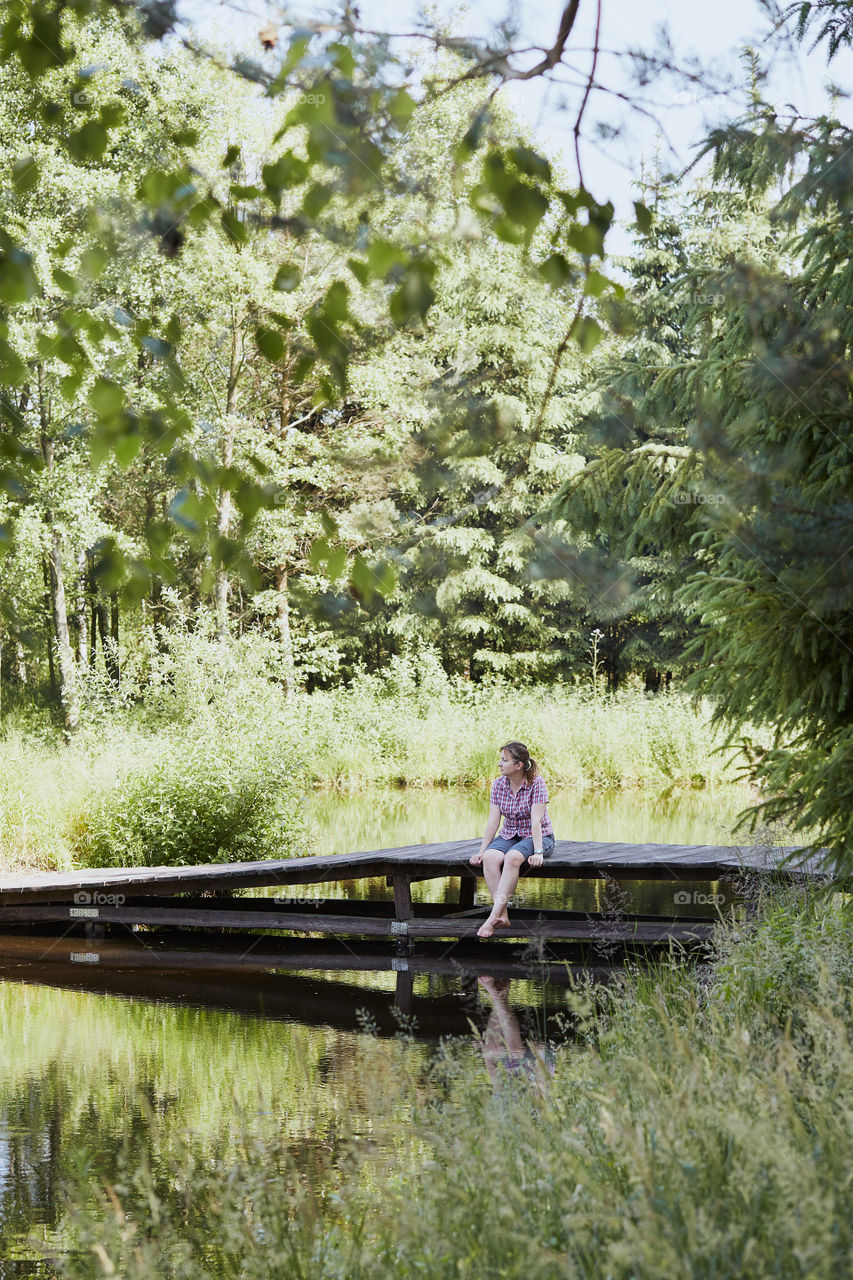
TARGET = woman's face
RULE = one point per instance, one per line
(508, 766)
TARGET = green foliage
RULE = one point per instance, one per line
(219, 798)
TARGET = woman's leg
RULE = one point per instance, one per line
(502, 892)
(493, 860)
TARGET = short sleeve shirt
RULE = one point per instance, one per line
(516, 808)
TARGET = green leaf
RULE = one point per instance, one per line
(587, 240)
(316, 199)
(88, 143)
(270, 342)
(383, 256)
(231, 156)
(297, 49)
(415, 295)
(472, 138)
(93, 263)
(13, 371)
(525, 205)
(106, 398)
(555, 270)
(363, 581)
(159, 349)
(18, 280)
(241, 192)
(400, 108)
(643, 216)
(336, 563)
(286, 172)
(588, 334)
(233, 227)
(531, 163)
(319, 553)
(189, 511)
(25, 174)
(287, 278)
(126, 447)
(65, 281)
(360, 270)
(596, 284)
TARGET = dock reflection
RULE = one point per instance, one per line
(317, 982)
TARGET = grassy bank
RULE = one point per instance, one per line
(700, 1123)
(211, 759)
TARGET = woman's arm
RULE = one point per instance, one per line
(491, 828)
(537, 813)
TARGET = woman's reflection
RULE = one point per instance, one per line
(508, 1058)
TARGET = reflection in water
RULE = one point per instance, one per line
(509, 1058)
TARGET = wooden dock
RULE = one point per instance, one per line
(206, 897)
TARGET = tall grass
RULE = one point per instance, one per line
(702, 1127)
(361, 737)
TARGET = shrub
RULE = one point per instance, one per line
(216, 798)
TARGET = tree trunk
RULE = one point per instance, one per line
(64, 651)
(113, 663)
(51, 668)
(56, 585)
(83, 612)
(158, 611)
(20, 662)
(283, 615)
(223, 522)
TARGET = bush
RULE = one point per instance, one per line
(220, 798)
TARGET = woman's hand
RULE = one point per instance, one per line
(475, 859)
(536, 859)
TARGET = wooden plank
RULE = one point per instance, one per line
(177, 917)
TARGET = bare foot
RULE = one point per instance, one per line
(488, 927)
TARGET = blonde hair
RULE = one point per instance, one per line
(522, 756)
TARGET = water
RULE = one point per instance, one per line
(145, 1047)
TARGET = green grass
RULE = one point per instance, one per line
(700, 1123)
(360, 738)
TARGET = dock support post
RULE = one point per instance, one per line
(467, 890)
(402, 897)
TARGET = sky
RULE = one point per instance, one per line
(661, 123)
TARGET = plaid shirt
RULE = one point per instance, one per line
(516, 808)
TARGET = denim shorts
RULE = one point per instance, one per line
(523, 843)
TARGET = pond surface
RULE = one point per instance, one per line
(155, 1043)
